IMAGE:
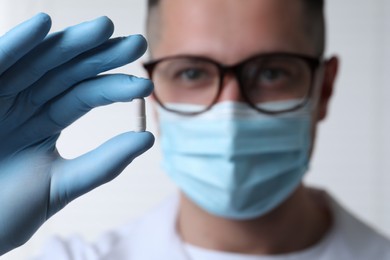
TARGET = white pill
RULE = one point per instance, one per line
(140, 119)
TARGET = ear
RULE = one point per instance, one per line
(330, 72)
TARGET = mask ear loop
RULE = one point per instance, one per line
(318, 83)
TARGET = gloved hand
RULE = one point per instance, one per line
(46, 83)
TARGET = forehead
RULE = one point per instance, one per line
(231, 30)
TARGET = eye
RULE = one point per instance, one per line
(271, 75)
(192, 74)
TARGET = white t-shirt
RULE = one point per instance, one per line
(154, 237)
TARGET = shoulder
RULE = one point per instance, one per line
(124, 242)
(355, 238)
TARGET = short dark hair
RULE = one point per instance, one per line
(316, 22)
(314, 10)
(152, 3)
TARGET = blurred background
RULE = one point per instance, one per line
(352, 155)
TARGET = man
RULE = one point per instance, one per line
(240, 88)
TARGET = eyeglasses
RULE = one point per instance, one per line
(270, 83)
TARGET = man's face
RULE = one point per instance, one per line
(230, 31)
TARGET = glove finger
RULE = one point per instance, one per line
(22, 39)
(99, 91)
(76, 177)
(55, 50)
(113, 54)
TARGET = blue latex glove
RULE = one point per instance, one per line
(46, 83)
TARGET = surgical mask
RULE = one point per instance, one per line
(233, 161)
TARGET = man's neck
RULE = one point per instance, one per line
(300, 222)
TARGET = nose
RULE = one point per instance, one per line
(230, 89)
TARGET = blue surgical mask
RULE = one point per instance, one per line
(234, 162)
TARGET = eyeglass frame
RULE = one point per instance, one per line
(313, 62)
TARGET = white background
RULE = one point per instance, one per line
(352, 158)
